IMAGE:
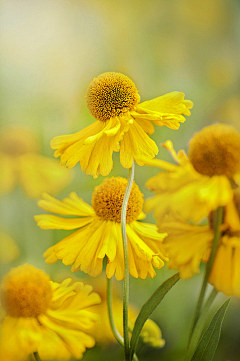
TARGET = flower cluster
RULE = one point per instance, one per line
(122, 125)
(194, 189)
(52, 320)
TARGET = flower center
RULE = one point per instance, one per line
(25, 292)
(111, 94)
(107, 200)
(215, 150)
(15, 142)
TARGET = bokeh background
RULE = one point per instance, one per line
(50, 51)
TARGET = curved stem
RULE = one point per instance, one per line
(36, 356)
(126, 264)
(117, 335)
(218, 217)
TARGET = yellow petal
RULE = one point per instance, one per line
(71, 205)
(19, 338)
(135, 144)
(185, 245)
(76, 341)
(166, 109)
(92, 147)
(168, 103)
(46, 221)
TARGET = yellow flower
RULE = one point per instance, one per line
(122, 124)
(21, 163)
(186, 244)
(200, 183)
(225, 274)
(189, 244)
(9, 251)
(99, 232)
(45, 317)
(151, 334)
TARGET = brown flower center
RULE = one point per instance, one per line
(25, 292)
(107, 200)
(215, 150)
(111, 94)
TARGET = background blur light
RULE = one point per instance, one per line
(52, 49)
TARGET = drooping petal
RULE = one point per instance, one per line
(68, 248)
(199, 194)
(47, 221)
(165, 110)
(185, 245)
(136, 143)
(75, 341)
(52, 347)
(19, 338)
(225, 274)
(117, 265)
(71, 205)
(92, 147)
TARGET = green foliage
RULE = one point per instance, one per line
(149, 307)
(209, 341)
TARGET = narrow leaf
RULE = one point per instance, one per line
(209, 341)
(149, 307)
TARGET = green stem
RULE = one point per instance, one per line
(126, 264)
(36, 356)
(199, 325)
(117, 335)
(218, 217)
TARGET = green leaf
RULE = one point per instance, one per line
(209, 341)
(149, 307)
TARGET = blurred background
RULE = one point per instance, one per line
(50, 52)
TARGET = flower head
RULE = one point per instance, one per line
(215, 150)
(21, 163)
(201, 183)
(122, 125)
(187, 244)
(98, 232)
(110, 95)
(43, 316)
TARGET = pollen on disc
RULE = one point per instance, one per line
(108, 197)
(110, 95)
(25, 292)
(215, 150)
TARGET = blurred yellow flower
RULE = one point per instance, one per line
(9, 251)
(200, 183)
(189, 244)
(21, 163)
(186, 244)
(99, 232)
(151, 334)
(45, 317)
(122, 125)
